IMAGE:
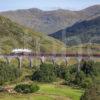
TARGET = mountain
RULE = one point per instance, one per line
(13, 36)
(51, 21)
(43, 21)
(82, 32)
(92, 11)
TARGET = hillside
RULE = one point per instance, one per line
(85, 31)
(51, 21)
(13, 35)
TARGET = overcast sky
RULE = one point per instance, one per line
(46, 4)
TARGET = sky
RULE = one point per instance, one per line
(6, 5)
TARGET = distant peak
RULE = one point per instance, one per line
(93, 7)
(35, 9)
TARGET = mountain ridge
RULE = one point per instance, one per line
(51, 21)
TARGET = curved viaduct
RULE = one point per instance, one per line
(43, 57)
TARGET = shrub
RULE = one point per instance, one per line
(26, 88)
(45, 73)
(84, 78)
(79, 77)
(88, 67)
(60, 71)
(34, 88)
(1, 89)
(8, 73)
(87, 82)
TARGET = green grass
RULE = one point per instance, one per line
(24, 97)
(46, 92)
(66, 91)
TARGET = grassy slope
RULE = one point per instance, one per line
(65, 91)
(47, 92)
(24, 97)
(85, 48)
(13, 35)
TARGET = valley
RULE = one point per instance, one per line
(50, 55)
